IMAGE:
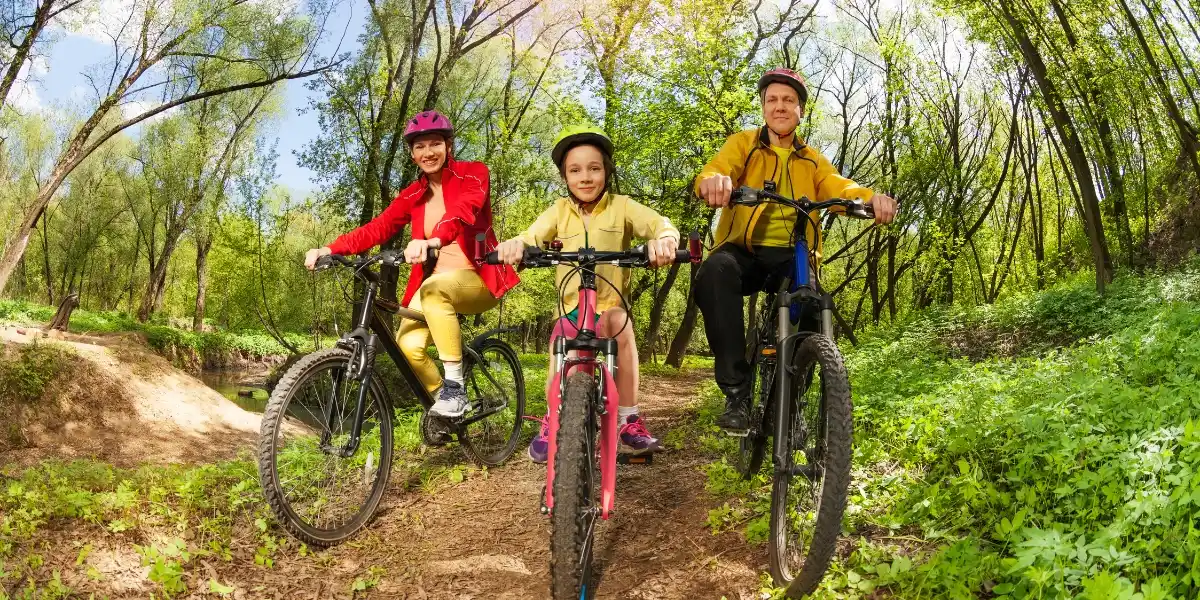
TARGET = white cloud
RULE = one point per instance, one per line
(24, 94)
(133, 108)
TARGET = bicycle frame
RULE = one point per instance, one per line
(364, 339)
(587, 345)
(802, 289)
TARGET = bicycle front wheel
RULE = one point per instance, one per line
(573, 518)
(808, 496)
(496, 391)
(321, 486)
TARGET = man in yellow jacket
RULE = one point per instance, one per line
(754, 245)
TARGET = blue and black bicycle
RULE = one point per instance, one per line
(803, 403)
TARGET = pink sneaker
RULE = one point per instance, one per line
(539, 448)
(635, 436)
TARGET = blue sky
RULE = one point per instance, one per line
(57, 80)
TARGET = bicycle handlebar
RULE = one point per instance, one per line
(391, 258)
(634, 257)
(748, 196)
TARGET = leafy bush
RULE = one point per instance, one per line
(26, 370)
(1055, 473)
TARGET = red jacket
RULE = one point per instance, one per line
(466, 190)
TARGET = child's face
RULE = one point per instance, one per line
(429, 152)
(583, 166)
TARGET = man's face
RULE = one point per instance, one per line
(779, 104)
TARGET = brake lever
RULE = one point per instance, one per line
(391, 258)
(857, 209)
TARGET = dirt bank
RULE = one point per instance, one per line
(116, 401)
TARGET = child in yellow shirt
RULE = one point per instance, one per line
(594, 216)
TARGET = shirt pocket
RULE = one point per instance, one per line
(571, 239)
(608, 237)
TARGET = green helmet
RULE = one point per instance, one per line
(575, 135)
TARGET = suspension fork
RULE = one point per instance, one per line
(360, 368)
(785, 347)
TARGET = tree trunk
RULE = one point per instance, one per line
(41, 17)
(1188, 139)
(153, 296)
(650, 343)
(46, 260)
(203, 245)
(1093, 224)
(683, 336)
(1108, 146)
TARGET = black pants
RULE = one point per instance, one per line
(728, 275)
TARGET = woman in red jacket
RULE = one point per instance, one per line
(448, 205)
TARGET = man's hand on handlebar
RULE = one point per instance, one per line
(715, 190)
(661, 251)
(511, 252)
(885, 208)
(310, 257)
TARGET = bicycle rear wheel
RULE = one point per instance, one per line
(752, 447)
(574, 516)
(318, 495)
(808, 496)
(496, 390)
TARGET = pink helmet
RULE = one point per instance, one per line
(785, 76)
(430, 121)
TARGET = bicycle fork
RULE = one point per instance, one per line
(786, 370)
(361, 343)
(605, 410)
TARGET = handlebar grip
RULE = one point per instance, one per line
(392, 258)
(480, 248)
(695, 250)
(682, 256)
(490, 258)
(326, 261)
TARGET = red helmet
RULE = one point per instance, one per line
(785, 76)
(430, 121)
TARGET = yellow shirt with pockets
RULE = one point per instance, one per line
(615, 221)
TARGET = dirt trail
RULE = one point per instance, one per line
(485, 539)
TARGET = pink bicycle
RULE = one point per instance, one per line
(582, 410)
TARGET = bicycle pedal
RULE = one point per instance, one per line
(635, 459)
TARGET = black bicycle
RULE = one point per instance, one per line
(326, 443)
(805, 406)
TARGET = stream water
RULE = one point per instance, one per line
(243, 387)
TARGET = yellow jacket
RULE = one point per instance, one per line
(748, 159)
(614, 222)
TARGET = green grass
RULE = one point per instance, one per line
(1049, 472)
(211, 348)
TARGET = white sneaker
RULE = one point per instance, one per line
(451, 402)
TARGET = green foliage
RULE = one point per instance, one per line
(26, 370)
(1052, 474)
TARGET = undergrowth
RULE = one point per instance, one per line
(208, 348)
(1049, 472)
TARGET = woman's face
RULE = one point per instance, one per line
(429, 152)
(583, 167)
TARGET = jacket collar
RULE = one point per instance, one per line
(601, 204)
(421, 185)
(764, 139)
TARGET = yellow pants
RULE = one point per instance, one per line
(442, 297)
